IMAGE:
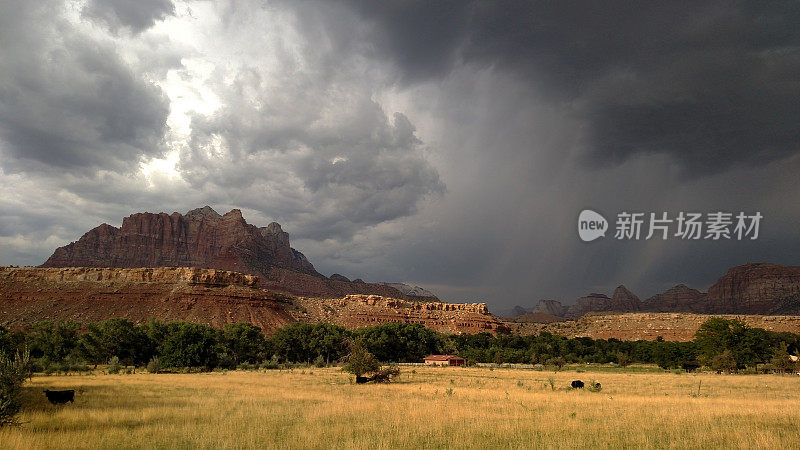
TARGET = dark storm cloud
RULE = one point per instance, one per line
(67, 100)
(136, 15)
(344, 121)
(712, 84)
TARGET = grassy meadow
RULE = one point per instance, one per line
(425, 408)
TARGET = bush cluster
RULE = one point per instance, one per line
(721, 344)
(13, 372)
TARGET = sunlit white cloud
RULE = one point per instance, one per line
(446, 145)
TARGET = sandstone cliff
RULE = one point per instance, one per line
(213, 297)
(413, 292)
(551, 307)
(203, 238)
(354, 311)
(680, 298)
(622, 300)
(756, 289)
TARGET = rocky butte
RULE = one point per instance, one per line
(203, 238)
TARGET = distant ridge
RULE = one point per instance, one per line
(754, 288)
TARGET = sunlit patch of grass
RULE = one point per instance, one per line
(431, 407)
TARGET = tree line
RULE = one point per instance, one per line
(721, 344)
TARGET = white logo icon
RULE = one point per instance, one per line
(591, 225)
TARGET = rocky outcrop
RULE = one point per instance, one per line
(516, 311)
(373, 300)
(201, 238)
(622, 300)
(680, 298)
(210, 296)
(356, 311)
(552, 307)
(413, 292)
(649, 326)
(167, 275)
(205, 239)
(756, 289)
(625, 300)
(303, 284)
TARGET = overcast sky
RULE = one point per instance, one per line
(446, 144)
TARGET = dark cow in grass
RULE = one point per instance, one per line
(577, 384)
(58, 397)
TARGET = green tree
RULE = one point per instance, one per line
(243, 342)
(116, 337)
(400, 342)
(188, 344)
(783, 361)
(13, 372)
(671, 355)
(748, 346)
(724, 362)
(557, 362)
(54, 340)
(360, 361)
(304, 342)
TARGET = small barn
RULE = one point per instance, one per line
(445, 360)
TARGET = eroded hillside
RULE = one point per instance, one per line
(210, 296)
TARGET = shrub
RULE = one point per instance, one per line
(360, 361)
(154, 366)
(246, 366)
(386, 374)
(724, 362)
(782, 361)
(13, 373)
(113, 365)
(73, 364)
(226, 361)
(272, 364)
(319, 361)
(556, 363)
(594, 386)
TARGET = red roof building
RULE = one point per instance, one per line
(445, 360)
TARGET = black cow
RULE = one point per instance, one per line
(58, 397)
(690, 366)
(577, 384)
(362, 380)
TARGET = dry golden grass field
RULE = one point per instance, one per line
(425, 408)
